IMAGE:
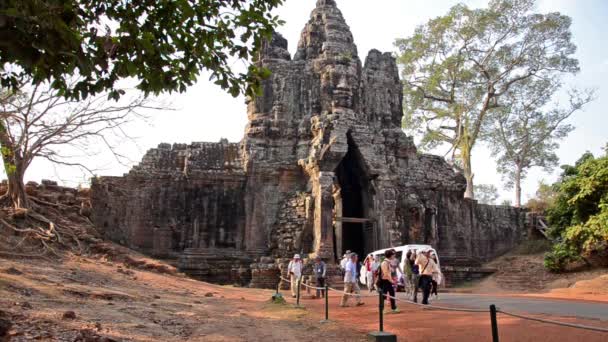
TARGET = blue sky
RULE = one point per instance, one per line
(205, 113)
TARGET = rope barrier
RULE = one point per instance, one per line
(351, 294)
(435, 307)
(571, 325)
(444, 308)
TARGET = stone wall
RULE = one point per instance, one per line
(176, 191)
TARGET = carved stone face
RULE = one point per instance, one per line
(341, 85)
(343, 93)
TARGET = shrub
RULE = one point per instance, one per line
(579, 215)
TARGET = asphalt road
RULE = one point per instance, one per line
(522, 305)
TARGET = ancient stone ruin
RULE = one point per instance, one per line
(323, 167)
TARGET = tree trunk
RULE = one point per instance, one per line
(468, 175)
(16, 189)
(15, 170)
(517, 186)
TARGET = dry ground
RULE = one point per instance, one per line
(111, 300)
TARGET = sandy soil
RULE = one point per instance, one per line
(114, 301)
(591, 285)
(594, 289)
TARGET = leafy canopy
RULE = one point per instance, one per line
(525, 131)
(579, 215)
(457, 69)
(486, 193)
(163, 44)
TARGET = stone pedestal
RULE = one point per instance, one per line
(381, 336)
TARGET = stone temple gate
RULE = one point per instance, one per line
(323, 167)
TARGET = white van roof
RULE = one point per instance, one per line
(405, 248)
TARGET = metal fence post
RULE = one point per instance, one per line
(326, 302)
(299, 283)
(279, 284)
(494, 323)
(381, 309)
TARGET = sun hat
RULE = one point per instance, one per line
(297, 256)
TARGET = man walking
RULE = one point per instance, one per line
(350, 281)
(345, 259)
(427, 267)
(415, 275)
(294, 269)
(320, 272)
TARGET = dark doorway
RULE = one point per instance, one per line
(354, 190)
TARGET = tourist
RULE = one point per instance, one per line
(350, 281)
(427, 267)
(375, 267)
(294, 269)
(320, 271)
(409, 284)
(437, 276)
(345, 259)
(395, 271)
(385, 281)
(415, 276)
(369, 274)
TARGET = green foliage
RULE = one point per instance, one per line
(559, 257)
(579, 215)
(486, 193)
(162, 44)
(545, 198)
(458, 69)
(524, 133)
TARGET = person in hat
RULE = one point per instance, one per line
(427, 267)
(386, 282)
(350, 281)
(294, 269)
(320, 271)
(344, 261)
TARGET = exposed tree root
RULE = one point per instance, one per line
(51, 228)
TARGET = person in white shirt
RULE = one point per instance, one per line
(345, 259)
(294, 269)
(375, 267)
(350, 281)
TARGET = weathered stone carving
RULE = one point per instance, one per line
(323, 167)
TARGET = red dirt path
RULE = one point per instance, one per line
(417, 324)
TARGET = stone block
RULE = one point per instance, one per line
(381, 336)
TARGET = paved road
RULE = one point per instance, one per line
(520, 305)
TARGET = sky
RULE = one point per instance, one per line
(206, 113)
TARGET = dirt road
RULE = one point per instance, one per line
(416, 324)
(519, 304)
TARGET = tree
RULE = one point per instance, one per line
(458, 68)
(543, 199)
(486, 193)
(579, 214)
(41, 123)
(164, 44)
(525, 131)
(507, 203)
